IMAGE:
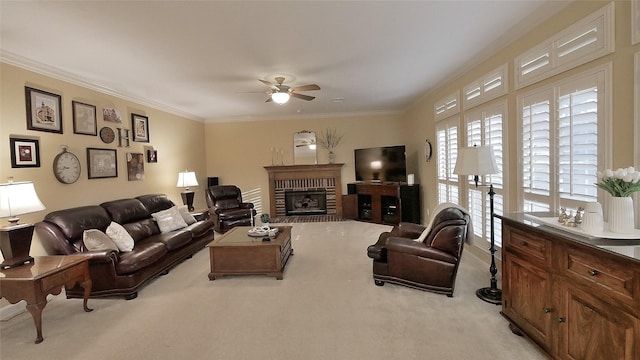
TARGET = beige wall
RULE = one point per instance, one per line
(421, 116)
(177, 150)
(238, 151)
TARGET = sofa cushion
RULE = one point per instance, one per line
(120, 237)
(95, 239)
(73, 222)
(172, 240)
(143, 255)
(126, 210)
(169, 220)
(186, 215)
(142, 229)
(155, 202)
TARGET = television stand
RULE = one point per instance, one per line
(385, 202)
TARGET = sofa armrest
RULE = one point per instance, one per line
(100, 256)
(414, 248)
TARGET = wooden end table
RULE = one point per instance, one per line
(237, 253)
(45, 275)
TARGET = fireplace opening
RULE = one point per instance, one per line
(305, 202)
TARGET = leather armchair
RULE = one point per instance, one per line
(431, 264)
(226, 208)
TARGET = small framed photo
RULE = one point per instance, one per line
(44, 110)
(140, 128)
(152, 156)
(84, 119)
(24, 152)
(102, 163)
(135, 166)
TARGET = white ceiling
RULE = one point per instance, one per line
(203, 59)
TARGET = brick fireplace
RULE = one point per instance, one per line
(319, 186)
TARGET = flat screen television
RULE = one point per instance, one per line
(381, 164)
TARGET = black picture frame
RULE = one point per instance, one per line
(85, 121)
(152, 156)
(44, 110)
(25, 153)
(102, 163)
(140, 128)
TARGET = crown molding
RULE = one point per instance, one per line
(43, 69)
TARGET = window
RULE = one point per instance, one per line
(489, 87)
(486, 127)
(447, 150)
(447, 107)
(586, 40)
(562, 127)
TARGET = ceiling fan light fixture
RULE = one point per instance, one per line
(280, 97)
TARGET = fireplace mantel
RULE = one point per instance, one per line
(311, 173)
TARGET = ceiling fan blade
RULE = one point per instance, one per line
(302, 96)
(268, 83)
(269, 99)
(306, 87)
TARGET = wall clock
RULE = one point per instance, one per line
(107, 135)
(428, 150)
(66, 167)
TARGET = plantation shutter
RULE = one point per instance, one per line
(536, 152)
(447, 147)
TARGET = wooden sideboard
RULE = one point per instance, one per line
(568, 294)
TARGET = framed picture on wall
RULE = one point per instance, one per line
(102, 163)
(24, 152)
(135, 166)
(44, 110)
(140, 128)
(84, 119)
(152, 156)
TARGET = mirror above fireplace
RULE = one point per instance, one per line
(304, 148)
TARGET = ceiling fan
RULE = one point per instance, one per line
(280, 93)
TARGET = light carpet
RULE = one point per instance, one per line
(326, 307)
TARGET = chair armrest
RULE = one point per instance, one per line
(246, 205)
(410, 247)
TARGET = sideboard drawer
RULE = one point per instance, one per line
(536, 249)
(609, 274)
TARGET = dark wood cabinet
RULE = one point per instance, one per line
(565, 292)
(386, 203)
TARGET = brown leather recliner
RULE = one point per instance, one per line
(429, 265)
(226, 208)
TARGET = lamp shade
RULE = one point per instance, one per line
(477, 160)
(186, 179)
(280, 97)
(18, 198)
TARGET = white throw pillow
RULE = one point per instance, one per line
(423, 235)
(120, 237)
(95, 239)
(186, 215)
(169, 220)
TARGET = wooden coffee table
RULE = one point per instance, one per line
(237, 253)
(45, 275)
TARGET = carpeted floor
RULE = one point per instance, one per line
(306, 219)
(326, 307)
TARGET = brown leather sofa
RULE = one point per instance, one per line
(115, 273)
(226, 208)
(431, 264)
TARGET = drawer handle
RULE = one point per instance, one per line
(561, 320)
(593, 272)
(546, 310)
(523, 243)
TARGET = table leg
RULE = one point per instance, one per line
(36, 313)
(86, 285)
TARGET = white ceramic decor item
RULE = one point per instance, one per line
(621, 218)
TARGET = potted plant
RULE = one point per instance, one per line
(329, 139)
(265, 218)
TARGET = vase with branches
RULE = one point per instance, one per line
(329, 140)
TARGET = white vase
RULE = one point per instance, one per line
(621, 218)
(332, 157)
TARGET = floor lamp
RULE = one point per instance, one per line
(476, 161)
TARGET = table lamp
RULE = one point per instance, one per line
(479, 160)
(17, 198)
(186, 179)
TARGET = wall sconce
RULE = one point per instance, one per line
(17, 198)
(186, 179)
